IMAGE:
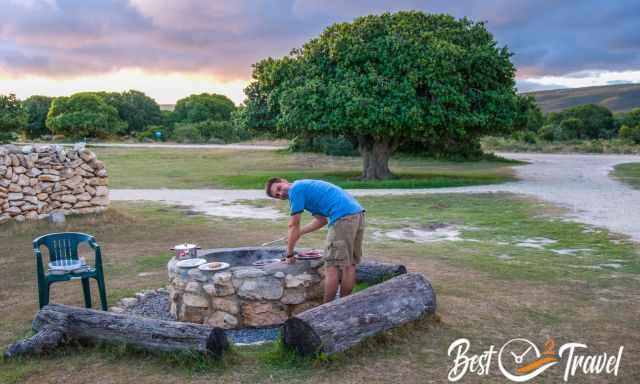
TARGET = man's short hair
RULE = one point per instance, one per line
(270, 182)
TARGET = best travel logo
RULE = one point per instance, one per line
(520, 360)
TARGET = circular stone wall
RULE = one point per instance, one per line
(245, 295)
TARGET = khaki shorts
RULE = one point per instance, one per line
(344, 241)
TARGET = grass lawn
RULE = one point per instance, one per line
(580, 284)
(195, 168)
(628, 173)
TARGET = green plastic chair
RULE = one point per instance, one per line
(63, 248)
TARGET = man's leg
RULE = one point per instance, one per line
(348, 280)
(330, 283)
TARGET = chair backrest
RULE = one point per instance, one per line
(63, 245)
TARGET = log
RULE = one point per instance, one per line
(336, 326)
(55, 324)
(373, 272)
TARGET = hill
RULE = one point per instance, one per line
(618, 98)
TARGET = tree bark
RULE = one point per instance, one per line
(375, 158)
(341, 324)
(373, 272)
(57, 323)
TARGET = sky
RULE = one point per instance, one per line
(170, 49)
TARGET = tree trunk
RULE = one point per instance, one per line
(343, 323)
(375, 158)
(56, 324)
(373, 272)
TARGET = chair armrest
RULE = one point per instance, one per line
(93, 244)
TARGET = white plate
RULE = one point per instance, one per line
(190, 263)
(64, 265)
(213, 266)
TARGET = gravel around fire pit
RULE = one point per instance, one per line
(155, 305)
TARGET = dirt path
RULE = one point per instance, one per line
(580, 183)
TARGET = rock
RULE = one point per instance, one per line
(222, 320)
(50, 178)
(294, 281)
(293, 296)
(97, 164)
(15, 188)
(73, 182)
(117, 310)
(192, 300)
(90, 189)
(34, 172)
(28, 207)
(20, 218)
(227, 305)
(129, 301)
(32, 215)
(279, 275)
(100, 200)
(267, 287)
(15, 196)
(102, 173)
(247, 272)
(42, 196)
(71, 199)
(31, 199)
(17, 203)
(196, 274)
(193, 287)
(84, 196)
(23, 180)
(101, 191)
(261, 314)
(19, 170)
(222, 285)
(4, 218)
(82, 204)
(86, 155)
(28, 191)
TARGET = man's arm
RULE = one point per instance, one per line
(294, 233)
(317, 223)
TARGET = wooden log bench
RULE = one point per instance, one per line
(341, 324)
(56, 324)
(374, 272)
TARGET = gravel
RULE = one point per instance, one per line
(155, 305)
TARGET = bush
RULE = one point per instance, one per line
(187, 133)
(150, 133)
(549, 132)
(630, 134)
(7, 137)
(222, 131)
(525, 136)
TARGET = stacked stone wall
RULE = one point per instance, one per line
(38, 180)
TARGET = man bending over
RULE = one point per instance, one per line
(330, 204)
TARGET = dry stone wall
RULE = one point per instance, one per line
(38, 180)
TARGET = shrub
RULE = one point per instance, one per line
(187, 133)
(334, 146)
(630, 134)
(222, 131)
(525, 136)
(549, 132)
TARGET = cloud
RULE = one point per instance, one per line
(71, 38)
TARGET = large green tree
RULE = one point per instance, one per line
(205, 106)
(84, 114)
(37, 108)
(12, 114)
(385, 80)
(588, 121)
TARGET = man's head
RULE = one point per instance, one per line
(277, 188)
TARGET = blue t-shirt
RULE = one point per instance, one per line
(322, 198)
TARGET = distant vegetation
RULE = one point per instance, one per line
(616, 98)
(112, 115)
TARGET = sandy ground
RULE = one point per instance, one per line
(580, 183)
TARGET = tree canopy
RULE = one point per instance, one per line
(37, 108)
(205, 106)
(384, 80)
(588, 121)
(12, 114)
(135, 108)
(84, 114)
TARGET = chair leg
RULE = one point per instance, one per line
(43, 294)
(103, 291)
(86, 289)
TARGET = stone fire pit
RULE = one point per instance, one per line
(244, 295)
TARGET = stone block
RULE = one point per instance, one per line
(224, 304)
(266, 287)
(221, 319)
(261, 314)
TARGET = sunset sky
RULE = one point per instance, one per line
(170, 49)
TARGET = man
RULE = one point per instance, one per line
(330, 204)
